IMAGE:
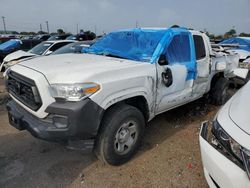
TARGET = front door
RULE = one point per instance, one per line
(175, 80)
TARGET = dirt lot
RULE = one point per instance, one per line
(169, 156)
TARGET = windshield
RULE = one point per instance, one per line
(137, 44)
(55, 37)
(40, 48)
(72, 37)
(70, 48)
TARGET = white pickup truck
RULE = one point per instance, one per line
(104, 97)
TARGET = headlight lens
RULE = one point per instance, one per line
(73, 92)
(226, 141)
(11, 63)
(239, 154)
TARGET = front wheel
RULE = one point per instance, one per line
(120, 135)
(219, 92)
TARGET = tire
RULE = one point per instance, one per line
(219, 92)
(120, 136)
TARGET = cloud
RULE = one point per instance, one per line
(107, 15)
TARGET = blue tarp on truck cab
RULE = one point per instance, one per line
(136, 44)
(244, 42)
(146, 45)
(9, 45)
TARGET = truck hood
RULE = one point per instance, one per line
(77, 68)
(240, 107)
(20, 54)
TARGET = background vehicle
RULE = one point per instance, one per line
(42, 37)
(59, 37)
(16, 44)
(225, 144)
(242, 48)
(239, 46)
(76, 47)
(44, 48)
(82, 37)
(104, 97)
(6, 38)
(26, 37)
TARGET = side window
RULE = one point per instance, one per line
(178, 50)
(200, 49)
(58, 45)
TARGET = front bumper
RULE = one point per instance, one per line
(219, 171)
(67, 121)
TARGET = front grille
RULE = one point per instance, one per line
(24, 90)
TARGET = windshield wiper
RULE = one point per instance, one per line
(111, 55)
(106, 54)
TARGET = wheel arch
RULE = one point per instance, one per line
(138, 101)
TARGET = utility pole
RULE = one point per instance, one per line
(136, 24)
(41, 28)
(77, 30)
(4, 24)
(95, 29)
(47, 24)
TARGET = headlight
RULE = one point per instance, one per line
(226, 141)
(11, 63)
(246, 159)
(235, 152)
(73, 92)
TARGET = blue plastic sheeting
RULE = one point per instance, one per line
(244, 42)
(7, 46)
(178, 45)
(181, 50)
(136, 44)
(147, 45)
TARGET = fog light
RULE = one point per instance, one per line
(60, 121)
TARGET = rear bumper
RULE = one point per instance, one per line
(67, 121)
(219, 171)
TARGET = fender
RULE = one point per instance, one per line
(127, 93)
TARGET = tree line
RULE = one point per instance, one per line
(59, 32)
(228, 34)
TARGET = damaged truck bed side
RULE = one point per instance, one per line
(106, 95)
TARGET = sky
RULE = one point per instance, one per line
(215, 16)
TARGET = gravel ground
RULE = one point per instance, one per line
(169, 156)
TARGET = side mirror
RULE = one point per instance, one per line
(162, 60)
(48, 52)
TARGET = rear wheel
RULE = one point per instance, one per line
(120, 135)
(219, 93)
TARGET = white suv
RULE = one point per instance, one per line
(225, 144)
